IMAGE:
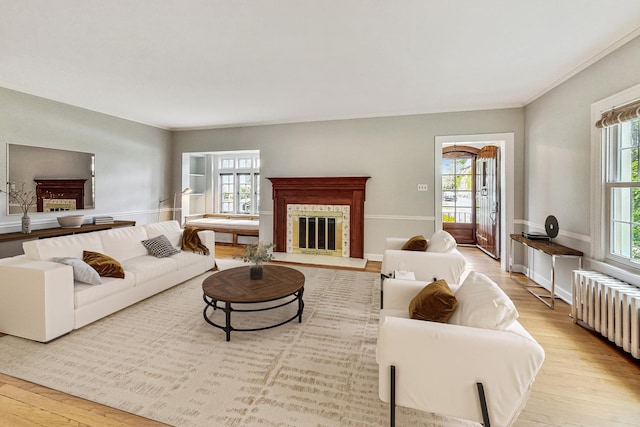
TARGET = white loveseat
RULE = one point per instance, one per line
(437, 366)
(40, 300)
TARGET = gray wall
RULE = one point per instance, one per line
(396, 152)
(558, 146)
(133, 167)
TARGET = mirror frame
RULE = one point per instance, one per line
(30, 164)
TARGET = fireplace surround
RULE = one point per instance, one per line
(340, 191)
(68, 194)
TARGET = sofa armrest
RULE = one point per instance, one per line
(425, 265)
(438, 365)
(395, 242)
(36, 299)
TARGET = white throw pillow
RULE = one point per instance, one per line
(441, 241)
(82, 272)
(482, 304)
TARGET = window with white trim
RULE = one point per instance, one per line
(237, 181)
(622, 191)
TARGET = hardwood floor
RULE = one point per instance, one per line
(584, 380)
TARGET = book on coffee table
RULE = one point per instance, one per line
(407, 275)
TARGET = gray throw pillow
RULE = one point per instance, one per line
(160, 246)
(82, 272)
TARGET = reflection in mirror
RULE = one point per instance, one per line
(62, 180)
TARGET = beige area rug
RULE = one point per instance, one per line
(161, 360)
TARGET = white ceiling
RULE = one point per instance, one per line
(183, 64)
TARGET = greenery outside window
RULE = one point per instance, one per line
(622, 189)
(238, 178)
(457, 187)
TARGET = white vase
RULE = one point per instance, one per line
(26, 224)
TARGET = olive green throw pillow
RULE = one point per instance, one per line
(103, 264)
(435, 303)
(416, 243)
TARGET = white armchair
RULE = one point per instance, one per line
(447, 368)
(427, 266)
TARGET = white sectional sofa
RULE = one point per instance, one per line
(39, 299)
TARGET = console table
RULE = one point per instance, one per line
(555, 251)
(17, 237)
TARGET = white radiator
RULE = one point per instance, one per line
(608, 305)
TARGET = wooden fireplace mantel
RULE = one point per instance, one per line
(346, 190)
(60, 189)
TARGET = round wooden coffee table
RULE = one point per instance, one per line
(233, 287)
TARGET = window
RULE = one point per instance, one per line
(622, 190)
(457, 188)
(238, 183)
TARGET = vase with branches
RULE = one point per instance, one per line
(25, 198)
(257, 254)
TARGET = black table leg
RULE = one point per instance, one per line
(300, 305)
(227, 315)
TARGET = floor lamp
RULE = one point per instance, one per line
(175, 199)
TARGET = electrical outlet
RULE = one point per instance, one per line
(423, 187)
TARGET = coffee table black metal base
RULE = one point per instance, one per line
(231, 290)
(227, 308)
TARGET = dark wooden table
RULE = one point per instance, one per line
(555, 251)
(233, 287)
(59, 231)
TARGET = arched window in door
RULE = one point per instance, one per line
(458, 192)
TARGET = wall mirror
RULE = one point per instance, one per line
(62, 180)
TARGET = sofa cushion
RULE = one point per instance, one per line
(186, 258)
(441, 241)
(63, 246)
(160, 246)
(171, 229)
(124, 243)
(82, 272)
(86, 294)
(148, 267)
(103, 264)
(435, 303)
(416, 243)
(482, 304)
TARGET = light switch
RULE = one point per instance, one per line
(423, 187)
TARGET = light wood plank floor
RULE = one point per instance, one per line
(584, 380)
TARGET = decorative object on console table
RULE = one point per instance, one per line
(26, 224)
(70, 221)
(25, 198)
(257, 254)
(551, 226)
(102, 220)
(536, 236)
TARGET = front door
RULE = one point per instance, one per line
(458, 195)
(488, 200)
